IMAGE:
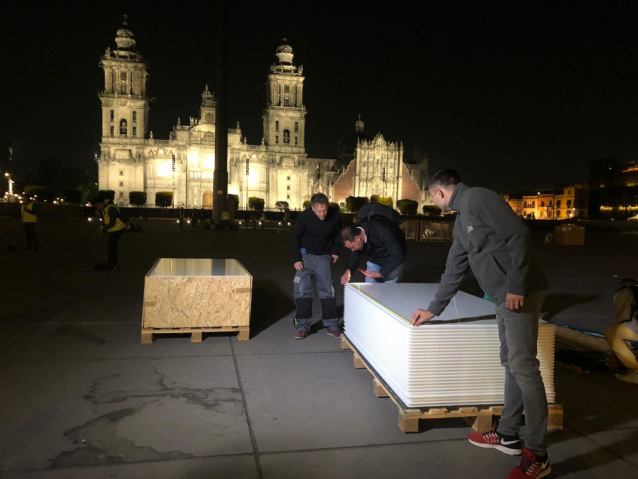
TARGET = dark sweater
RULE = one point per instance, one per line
(316, 236)
(490, 238)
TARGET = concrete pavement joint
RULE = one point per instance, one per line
(37, 361)
(260, 472)
(291, 451)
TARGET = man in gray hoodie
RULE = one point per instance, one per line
(490, 238)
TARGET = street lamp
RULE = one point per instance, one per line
(10, 181)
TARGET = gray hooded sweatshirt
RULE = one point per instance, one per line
(490, 238)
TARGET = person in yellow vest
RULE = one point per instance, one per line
(114, 225)
(225, 219)
(29, 219)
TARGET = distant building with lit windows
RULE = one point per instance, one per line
(613, 186)
(552, 204)
(277, 169)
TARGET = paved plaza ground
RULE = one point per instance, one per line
(82, 398)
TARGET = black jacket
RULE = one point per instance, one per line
(490, 238)
(314, 235)
(385, 245)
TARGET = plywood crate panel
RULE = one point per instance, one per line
(196, 293)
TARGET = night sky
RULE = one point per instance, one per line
(513, 95)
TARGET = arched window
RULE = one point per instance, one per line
(286, 89)
(112, 115)
(286, 102)
(276, 126)
(123, 128)
(296, 141)
(569, 203)
(112, 131)
(296, 127)
(286, 137)
(277, 140)
(134, 131)
(247, 166)
(557, 203)
(279, 88)
(134, 117)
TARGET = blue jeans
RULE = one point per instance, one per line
(392, 277)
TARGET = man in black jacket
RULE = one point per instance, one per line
(490, 238)
(378, 235)
(314, 245)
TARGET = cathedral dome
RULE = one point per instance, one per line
(284, 52)
(125, 39)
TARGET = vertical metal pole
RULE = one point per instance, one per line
(173, 198)
(220, 180)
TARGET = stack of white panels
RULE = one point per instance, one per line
(451, 361)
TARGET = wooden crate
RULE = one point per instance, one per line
(479, 417)
(194, 303)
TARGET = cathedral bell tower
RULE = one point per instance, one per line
(124, 99)
(207, 110)
(284, 116)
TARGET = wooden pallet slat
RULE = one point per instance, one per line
(148, 334)
(480, 418)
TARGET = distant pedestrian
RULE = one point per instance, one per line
(29, 220)
(114, 225)
(181, 217)
(194, 219)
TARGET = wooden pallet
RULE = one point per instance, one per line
(148, 334)
(480, 417)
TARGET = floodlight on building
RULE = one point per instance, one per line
(188, 221)
(539, 192)
(6, 174)
(178, 221)
(90, 219)
(288, 224)
(280, 223)
(240, 222)
(260, 222)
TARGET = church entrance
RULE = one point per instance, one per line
(376, 186)
(207, 200)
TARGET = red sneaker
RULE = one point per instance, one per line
(531, 466)
(508, 444)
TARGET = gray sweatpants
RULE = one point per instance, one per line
(524, 388)
(319, 267)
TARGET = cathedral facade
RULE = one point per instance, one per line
(278, 169)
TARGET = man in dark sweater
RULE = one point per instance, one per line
(313, 246)
(378, 235)
(490, 238)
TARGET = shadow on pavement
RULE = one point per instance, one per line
(556, 303)
(269, 305)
